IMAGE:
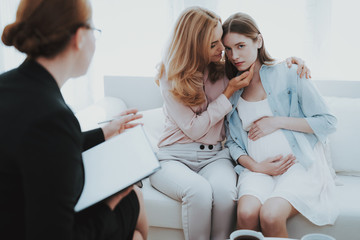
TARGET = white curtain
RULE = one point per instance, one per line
(323, 32)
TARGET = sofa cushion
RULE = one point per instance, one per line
(161, 210)
(346, 225)
(345, 149)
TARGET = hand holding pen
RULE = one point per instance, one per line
(120, 123)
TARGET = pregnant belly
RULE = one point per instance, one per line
(269, 146)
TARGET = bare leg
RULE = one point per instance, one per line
(248, 211)
(273, 216)
(142, 227)
(137, 235)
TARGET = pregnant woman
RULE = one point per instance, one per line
(278, 118)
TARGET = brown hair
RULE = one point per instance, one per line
(44, 27)
(243, 24)
(187, 56)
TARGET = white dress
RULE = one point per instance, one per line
(311, 191)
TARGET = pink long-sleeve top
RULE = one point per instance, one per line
(203, 123)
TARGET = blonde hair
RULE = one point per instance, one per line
(244, 24)
(187, 56)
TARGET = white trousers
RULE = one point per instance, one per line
(202, 178)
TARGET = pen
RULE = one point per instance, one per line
(106, 121)
(112, 119)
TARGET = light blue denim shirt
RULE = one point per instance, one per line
(290, 96)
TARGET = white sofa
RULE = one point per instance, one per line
(164, 213)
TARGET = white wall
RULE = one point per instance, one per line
(323, 32)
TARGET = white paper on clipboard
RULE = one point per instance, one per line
(116, 164)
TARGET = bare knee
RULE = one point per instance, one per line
(140, 197)
(138, 193)
(270, 219)
(273, 216)
(137, 236)
(248, 213)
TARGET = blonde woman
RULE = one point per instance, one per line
(196, 169)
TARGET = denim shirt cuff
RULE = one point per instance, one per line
(318, 128)
(238, 169)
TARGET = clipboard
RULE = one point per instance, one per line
(116, 164)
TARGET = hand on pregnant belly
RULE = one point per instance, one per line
(275, 165)
(262, 127)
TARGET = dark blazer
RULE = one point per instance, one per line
(41, 171)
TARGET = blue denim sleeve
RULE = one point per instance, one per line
(315, 109)
(235, 150)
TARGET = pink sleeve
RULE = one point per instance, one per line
(195, 125)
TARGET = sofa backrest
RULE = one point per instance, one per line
(332, 88)
(143, 93)
(343, 98)
(137, 92)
